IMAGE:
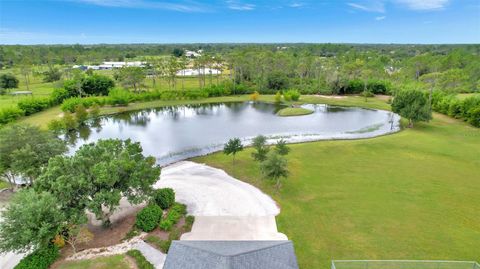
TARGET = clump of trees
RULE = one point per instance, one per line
(7, 81)
(88, 85)
(273, 163)
(413, 105)
(63, 188)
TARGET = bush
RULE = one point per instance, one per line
(119, 97)
(10, 114)
(174, 214)
(56, 125)
(367, 94)
(59, 94)
(96, 85)
(34, 105)
(53, 74)
(81, 113)
(164, 197)
(292, 95)
(379, 86)
(467, 109)
(8, 81)
(69, 122)
(94, 111)
(140, 260)
(278, 97)
(39, 259)
(148, 218)
(217, 90)
(71, 103)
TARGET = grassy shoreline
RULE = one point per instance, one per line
(43, 118)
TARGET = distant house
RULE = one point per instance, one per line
(195, 72)
(231, 255)
(111, 65)
(193, 54)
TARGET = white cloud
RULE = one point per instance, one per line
(370, 6)
(296, 5)
(424, 4)
(380, 18)
(148, 4)
(236, 5)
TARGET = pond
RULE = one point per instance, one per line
(175, 133)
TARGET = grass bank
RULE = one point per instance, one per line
(411, 195)
(43, 118)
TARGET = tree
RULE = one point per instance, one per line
(282, 148)
(178, 52)
(131, 77)
(25, 151)
(259, 143)
(78, 234)
(98, 176)
(52, 74)
(8, 81)
(233, 146)
(31, 220)
(96, 85)
(413, 105)
(275, 168)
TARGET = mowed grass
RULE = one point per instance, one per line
(294, 111)
(108, 262)
(410, 195)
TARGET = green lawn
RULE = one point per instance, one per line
(410, 195)
(108, 262)
(294, 111)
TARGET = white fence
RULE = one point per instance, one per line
(403, 264)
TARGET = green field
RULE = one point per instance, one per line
(410, 195)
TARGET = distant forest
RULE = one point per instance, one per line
(313, 68)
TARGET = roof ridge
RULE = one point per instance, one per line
(283, 242)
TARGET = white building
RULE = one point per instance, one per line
(193, 54)
(112, 65)
(196, 72)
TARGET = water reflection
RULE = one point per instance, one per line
(179, 132)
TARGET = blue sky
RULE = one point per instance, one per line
(190, 21)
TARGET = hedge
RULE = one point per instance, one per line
(174, 214)
(10, 114)
(140, 260)
(39, 259)
(34, 105)
(467, 109)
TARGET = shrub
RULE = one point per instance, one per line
(81, 113)
(354, 87)
(96, 85)
(367, 93)
(148, 218)
(140, 260)
(71, 103)
(293, 95)
(8, 81)
(217, 90)
(53, 74)
(10, 114)
(69, 122)
(474, 117)
(33, 105)
(94, 111)
(174, 214)
(119, 97)
(379, 86)
(278, 97)
(254, 96)
(164, 197)
(39, 259)
(56, 125)
(59, 94)
(189, 220)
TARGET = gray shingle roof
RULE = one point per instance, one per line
(231, 255)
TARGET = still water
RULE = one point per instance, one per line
(179, 132)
